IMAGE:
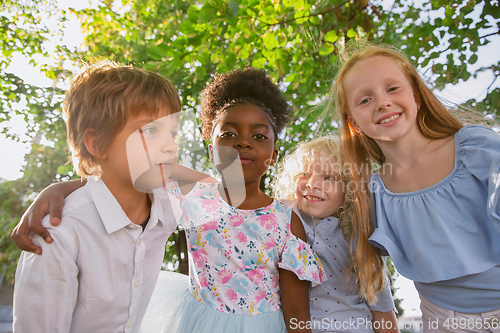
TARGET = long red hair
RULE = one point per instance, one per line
(359, 151)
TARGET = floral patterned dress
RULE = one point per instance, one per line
(234, 256)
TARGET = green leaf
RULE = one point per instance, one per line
(155, 52)
(64, 169)
(188, 28)
(425, 62)
(207, 13)
(301, 16)
(259, 62)
(268, 10)
(331, 36)
(281, 54)
(314, 20)
(299, 4)
(193, 13)
(351, 33)
(465, 75)
(473, 59)
(233, 7)
(245, 51)
(438, 4)
(270, 41)
(326, 49)
(297, 56)
(214, 57)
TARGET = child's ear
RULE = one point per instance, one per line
(418, 97)
(354, 124)
(275, 156)
(89, 140)
(211, 152)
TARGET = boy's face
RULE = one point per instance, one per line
(144, 151)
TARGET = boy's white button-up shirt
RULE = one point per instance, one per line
(98, 274)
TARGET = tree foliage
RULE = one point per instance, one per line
(297, 41)
(444, 38)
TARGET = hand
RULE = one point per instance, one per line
(48, 202)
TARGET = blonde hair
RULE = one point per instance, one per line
(358, 150)
(285, 179)
(102, 98)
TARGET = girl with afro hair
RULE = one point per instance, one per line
(250, 266)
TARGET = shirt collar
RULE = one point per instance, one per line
(112, 215)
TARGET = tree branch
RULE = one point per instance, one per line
(488, 89)
(488, 35)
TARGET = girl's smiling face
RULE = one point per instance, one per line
(319, 190)
(244, 131)
(382, 102)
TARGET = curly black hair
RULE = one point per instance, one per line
(248, 85)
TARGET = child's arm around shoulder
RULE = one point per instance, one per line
(182, 173)
(187, 178)
(295, 292)
(49, 201)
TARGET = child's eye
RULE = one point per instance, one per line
(304, 174)
(227, 135)
(260, 137)
(392, 89)
(174, 134)
(334, 178)
(364, 101)
(149, 130)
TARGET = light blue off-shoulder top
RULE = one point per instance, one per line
(446, 237)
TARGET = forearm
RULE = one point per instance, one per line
(64, 188)
(295, 302)
(182, 173)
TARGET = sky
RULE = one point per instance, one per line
(12, 153)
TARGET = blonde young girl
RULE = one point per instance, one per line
(436, 196)
(313, 177)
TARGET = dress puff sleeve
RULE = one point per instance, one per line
(480, 154)
(299, 258)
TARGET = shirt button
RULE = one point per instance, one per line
(137, 283)
(139, 242)
(129, 323)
